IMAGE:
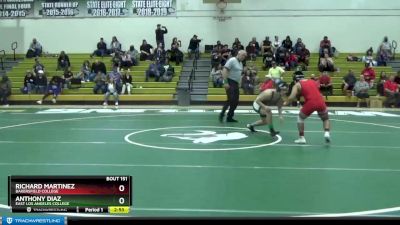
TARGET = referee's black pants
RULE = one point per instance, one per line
(232, 99)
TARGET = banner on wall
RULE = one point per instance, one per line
(36, 9)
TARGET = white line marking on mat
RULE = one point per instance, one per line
(205, 167)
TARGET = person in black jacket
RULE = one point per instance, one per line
(63, 61)
(101, 49)
(194, 46)
(160, 34)
(97, 66)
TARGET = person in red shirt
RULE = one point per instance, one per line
(325, 84)
(325, 44)
(313, 101)
(391, 92)
(268, 83)
(369, 74)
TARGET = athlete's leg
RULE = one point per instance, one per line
(300, 126)
(326, 124)
(266, 118)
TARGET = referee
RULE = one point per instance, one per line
(232, 74)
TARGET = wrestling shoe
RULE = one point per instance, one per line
(301, 140)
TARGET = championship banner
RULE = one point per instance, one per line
(31, 9)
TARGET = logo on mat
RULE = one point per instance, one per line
(205, 136)
(9, 220)
(201, 138)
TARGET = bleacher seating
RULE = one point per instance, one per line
(165, 91)
(141, 90)
(218, 94)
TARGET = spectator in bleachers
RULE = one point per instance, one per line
(369, 74)
(325, 44)
(97, 66)
(216, 76)
(248, 82)
(391, 92)
(99, 83)
(53, 88)
(225, 54)
(115, 46)
(126, 60)
(304, 57)
(326, 86)
(236, 47)
(29, 83)
(276, 72)
(160, 31)
(117, 59)
(219, 45)
(361, 89)
(40, 82)
(68, 75)
(84, 72)
(126, 82)
(276, 43)
(266, 46)
(280, 55)
(101, 49)
(290, 61)
(368, 58)
(326, 63)
(384, 52)
(299, 46)
(5, 90)
(35, 49)
(256, 45)
(194, 47)
(154, 70)
(63, 61)
(236, 43)
(176, 55)
(349, 80)
(116, 76)
(251, 51)
(380, 89)
(287, 44)
(111, 85)
(268, 57)
(216, 57)
(168, 72)
(38, 66)
(159, 53)
(134, 54)
(146, 51)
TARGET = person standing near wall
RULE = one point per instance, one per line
(5, 90)
(232, 74)
(160, 34)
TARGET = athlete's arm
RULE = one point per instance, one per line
(225, 73)
(293, 95)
